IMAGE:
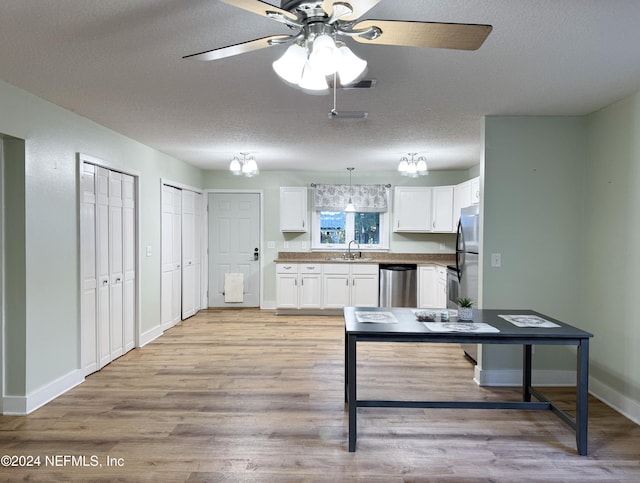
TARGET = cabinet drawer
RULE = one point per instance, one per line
(367, 268)
(336, 268)
(286, 268)
(310, 268)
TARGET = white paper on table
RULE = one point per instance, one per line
(376, 317)
(528, 321)
(479, 327)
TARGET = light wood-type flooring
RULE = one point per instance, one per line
(248, 396)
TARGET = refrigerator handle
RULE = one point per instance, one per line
(458, 253)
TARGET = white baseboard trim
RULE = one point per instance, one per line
(626, 406)
(514, 377)
(23, 405)
(150, 336)
(621, 403)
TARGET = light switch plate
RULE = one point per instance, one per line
(496, 260)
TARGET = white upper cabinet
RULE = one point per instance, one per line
(293, 209)
(443, 209)
(423, 209)
(412, 209)
(465, 194)
(475, 191)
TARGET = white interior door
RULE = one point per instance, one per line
(234, 246)
(171, 283)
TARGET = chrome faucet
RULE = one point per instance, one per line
(349, 255)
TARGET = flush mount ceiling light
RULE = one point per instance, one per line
(315, 52)
(412, 167)
(246, 166)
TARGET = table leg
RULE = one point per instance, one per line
(526, 372)
(351, 398)
(346, 372)
(582, 396)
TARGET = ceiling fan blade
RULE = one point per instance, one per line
(359, 7)
(261, 8)
(460, 36)
(241, 48)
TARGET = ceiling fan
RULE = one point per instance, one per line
(315, 51)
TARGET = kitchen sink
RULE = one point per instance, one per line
(350, 260)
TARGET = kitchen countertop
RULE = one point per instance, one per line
(442, 259)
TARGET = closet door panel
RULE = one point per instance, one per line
(102, 268)
(188, 253)
(116, 265)
(89, 358)
(129, 260)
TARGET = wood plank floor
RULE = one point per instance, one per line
(244, 395)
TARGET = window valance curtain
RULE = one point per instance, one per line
(365, 197)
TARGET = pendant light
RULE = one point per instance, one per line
(350, 208)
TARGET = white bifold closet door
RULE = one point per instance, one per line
(181, 254)
(191, 256)
(171, 282)
(108, 265)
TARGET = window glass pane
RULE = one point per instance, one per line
(367, 228)
(332, 227)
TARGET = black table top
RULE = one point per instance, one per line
(408, 326)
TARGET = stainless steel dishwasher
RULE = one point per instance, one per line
(398, 286)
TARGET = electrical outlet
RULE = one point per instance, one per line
(285, 245)
(148, 250)
(303, 245)
(496, 260)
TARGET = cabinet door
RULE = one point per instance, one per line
(441, 287)
(364, 290)
(427, 291)
(293, 209)
(475, 191)
(335, 290)
(310, 291)
(412, 209)
(443, 209)
(287, 290)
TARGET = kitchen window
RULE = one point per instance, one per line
(333, 229)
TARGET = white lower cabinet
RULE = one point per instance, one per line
(326, 286)
(432, 287)
(298, 286)
(346, 284)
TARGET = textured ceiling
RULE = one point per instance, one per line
(119, 63)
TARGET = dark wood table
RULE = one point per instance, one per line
(408, 329)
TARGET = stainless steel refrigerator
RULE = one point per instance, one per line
(467, 258)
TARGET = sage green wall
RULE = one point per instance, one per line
(612, 233)
(534, 193)
(49, 348)
(271, 181)
(15, 263)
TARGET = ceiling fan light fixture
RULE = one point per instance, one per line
(352, 68)
(291, 65)
(325, 57)
(313, 81)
